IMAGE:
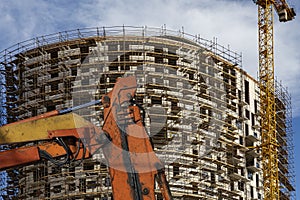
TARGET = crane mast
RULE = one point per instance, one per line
(267, 102)
(269, 143)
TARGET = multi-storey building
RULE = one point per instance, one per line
(202, 110)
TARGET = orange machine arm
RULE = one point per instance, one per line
(133, 165)
(55, 142)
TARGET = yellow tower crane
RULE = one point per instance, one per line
(267, 91)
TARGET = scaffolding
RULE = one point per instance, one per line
(285, 141)
(3, 175)
(201, 108)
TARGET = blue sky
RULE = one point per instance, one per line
(233, 22)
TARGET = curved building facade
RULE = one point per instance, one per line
(202, 110)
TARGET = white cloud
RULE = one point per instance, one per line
(232, 22)
(22, 20)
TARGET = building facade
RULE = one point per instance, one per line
(202, 110)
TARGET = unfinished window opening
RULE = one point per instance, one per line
(51, 107)
(240, 111)
(257, 180)
(54, 75)
(84, 49)
(250, 175)
(240, 95)
(54, 87)
(34, 112)
(232, 186)
(242, 172)
(246, 129)
(252, 119)
(255, 106)
(241, 140)
(175, 170)
(251, 192)
(156, 100)
(113, 66)
(213, 177)
(107, 181)
(54, 54)
(172, 61)
(91, 184)
(158, 56)
(125, 67)
(82, 185)
(57, 189)
(159, 197)
(74, 72)
(55, 170)
(247, 114)
(38, 174)
(47, 190)
(72, 187)
(247, 93)
(88, 166)
(241, 186)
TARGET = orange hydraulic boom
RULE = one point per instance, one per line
(133, 165)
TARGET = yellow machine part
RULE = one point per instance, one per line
(269, 143)
(33, 130)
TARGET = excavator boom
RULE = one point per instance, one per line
(133, 165)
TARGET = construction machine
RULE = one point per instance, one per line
(269, 143)
(63, 137)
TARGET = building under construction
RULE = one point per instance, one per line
(202, 111)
